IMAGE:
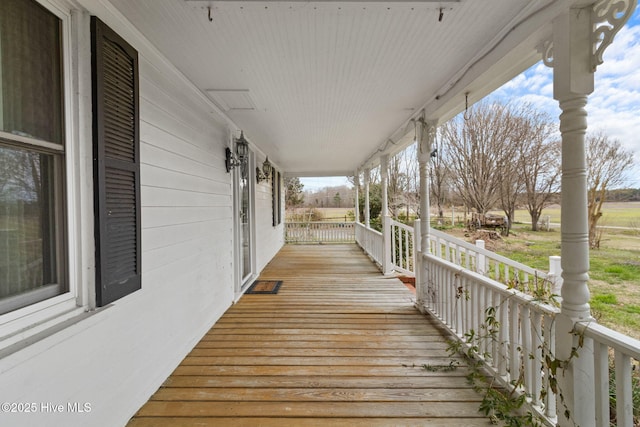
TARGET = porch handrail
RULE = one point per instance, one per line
(403, 248)
(487, 263)
(320, 232)
(626, 353)
(524, 330)
(370, 241)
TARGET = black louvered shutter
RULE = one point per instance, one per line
(116, 158)
(274, 197)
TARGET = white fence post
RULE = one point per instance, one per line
(481, 261)
(555, 275)
(417, 253)
(387, 240)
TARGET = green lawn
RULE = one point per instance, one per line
(320, 214)
(625, 214)
(614, 272)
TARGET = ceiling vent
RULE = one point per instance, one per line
(232, 99)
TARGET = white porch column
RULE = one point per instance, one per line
(426, 134)
(573, 82)
(367, 211)
(356, 182)
(580, 37)
(387, 268)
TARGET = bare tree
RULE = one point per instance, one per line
(403, 182)
(541, 171)
(439, 177)
(607, 162)
(412, 193)
(478, 146)
(396, 185)
(510, 185)
(538, 161)
(20, 174)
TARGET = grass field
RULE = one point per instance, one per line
(625, 214)
(614, 270)
(621, 214)
(614, 273)
(321, 214)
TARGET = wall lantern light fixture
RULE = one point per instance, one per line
(239, 158)
(264, 174)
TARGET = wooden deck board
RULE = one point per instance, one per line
(307, 422)
(290, 370)
(333, 381)
(385, 408)
(271, 394)
(338, 345)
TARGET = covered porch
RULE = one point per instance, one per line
(339, 344)
(217, 102)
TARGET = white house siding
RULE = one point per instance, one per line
(269, 239)
(115, 359)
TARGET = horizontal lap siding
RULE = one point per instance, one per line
(186, 193)
(186, 204)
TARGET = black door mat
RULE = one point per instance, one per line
(264, 287)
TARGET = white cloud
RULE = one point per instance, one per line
(614, 106)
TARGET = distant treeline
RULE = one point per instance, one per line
(624, 195)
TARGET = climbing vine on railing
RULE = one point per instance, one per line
(507, 403)
(500, 404)
(507, 332)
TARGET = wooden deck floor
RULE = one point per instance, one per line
(339, 345)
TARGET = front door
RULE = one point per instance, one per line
(244, 221)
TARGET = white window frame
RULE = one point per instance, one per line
(19, 325)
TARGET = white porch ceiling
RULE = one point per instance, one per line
(321, 86)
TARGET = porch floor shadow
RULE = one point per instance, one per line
(338, 345)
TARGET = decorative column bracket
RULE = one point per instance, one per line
(608, 18)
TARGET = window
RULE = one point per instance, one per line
(116, 146)
(31, 155)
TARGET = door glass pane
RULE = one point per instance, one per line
(27, 216)
(30, 71)
(245, 221)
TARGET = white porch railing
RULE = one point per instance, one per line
(371, 242)
(489, 264)
(319, 232)
(513, 352)
(402, 248)
(625, 352)
(455, 288)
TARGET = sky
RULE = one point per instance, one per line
(613, 108)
